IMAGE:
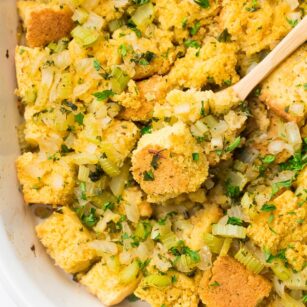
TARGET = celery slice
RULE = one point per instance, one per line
(83, 173)
(117, 183)
(119, 80)
(116, 24)
(169, 239)
(280, 270)
(109, 167)
(129, 273)
(249, 261)
(184, 264)
(158, 281)
(143, 16)
(85, 36)
(230, 231)
(214, 243)
(297, 281)
(226, 246)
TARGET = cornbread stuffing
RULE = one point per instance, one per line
(150, 179)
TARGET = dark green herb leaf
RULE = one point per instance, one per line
(203, 3)
(195, 156)
(194, 255)
(103, 95)
(215, 284)
(87, 216)
(190, 43)
(224, 37)
(146, 130)
(149, 176)
(140, 2)
(279, 185)
(132, 298)
(292, 22)
(231, 190)
(234, 221)
(234, 144)
(79, 118)
(97, 65)
(122, 50)
(268, 159)
(194, 30)
(268, 207)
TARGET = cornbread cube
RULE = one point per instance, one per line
(284, 90)
(105, 284)
(45, 181)
(288, 229)
(123, 136)
(66, 241)
(169, 162)
(202, 223)
(182, 293)
(230, 284)
(45, 23)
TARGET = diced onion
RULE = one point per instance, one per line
(297, 108)
(276, 147)
(143, 16)
(80, 15)
(94, 22)
(132, 212)
(205, 258)
(230, 231)
(293, 133)
(293, 4)
(103, 246)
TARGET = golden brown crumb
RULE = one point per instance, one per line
(151, 91)
(230, 284)
(47, 25)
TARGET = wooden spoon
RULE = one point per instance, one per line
(290, 43)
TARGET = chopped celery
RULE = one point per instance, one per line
(226, 246)
(109, 150)
(169, 239)
(214, 243)
(129, 273)
(230, 231)
(85, 36)
(83, 173)
(158, 281)
(143, 15)
(109, 167)
(64, 88)
(280, 270)
(297, 281)
(245, 257)
(117, 183)
(113, 264)
(142, 230)
(60, 46)
(116, 24)
(119, 80)
(80, 15)
(185, 264)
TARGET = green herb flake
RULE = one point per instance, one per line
(292, 22)
(271, 218)
(232, 190)
(234, 221)
(305, 86)
(224, 37)
(281, 184)
(190, 43)
(253, 7)
(194, 255)
(304, 299)
(96, 65)
(103, 95)
(268, 159)
(79, 118)
(184, 22)
(194, 30)
(234, 144)
(195, 156)
(268, 207)
(202, 109)
(203, 3)
(215, 284)
(174, 279)
(87, 216)
(132, 298)
(122, 50)
(149, 176)
(146, 130)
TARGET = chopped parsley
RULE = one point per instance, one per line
(304, 299)
(268, 207)
(132, 298)
(234, 221)
(234, 144)
(203, 3)
(65, 149)
(79, 118)
(190, 43)
(184, 22)
(97, 65)
(194, 30)
(202, 109)
(87, 216)
(103, 95)
(224, 37)
(232, 190)
(122, 50)
(149, 176)
(292, 22)
(215, 284)
(195, 156)
(146, 130)
(253, 7)
(296, 163)
(268, 159)
(144, 58)
(281, 184)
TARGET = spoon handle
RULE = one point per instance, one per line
(290, 43)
